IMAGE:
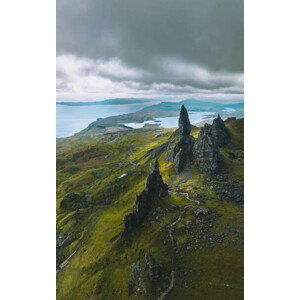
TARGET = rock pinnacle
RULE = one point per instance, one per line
(184, 122)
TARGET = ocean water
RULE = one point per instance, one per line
(172, 122)
(72, 119)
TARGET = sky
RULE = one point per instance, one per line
(166, 49)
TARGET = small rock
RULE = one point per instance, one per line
(201, 212)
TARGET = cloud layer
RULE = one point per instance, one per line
(159, 48)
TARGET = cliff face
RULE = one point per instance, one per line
(155, 188)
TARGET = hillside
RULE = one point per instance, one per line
(189, 245)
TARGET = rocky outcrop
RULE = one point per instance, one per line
(145, 277)
(155, 188)
(183, 150)
(220, 133)
(206, 154)
(183, 153)
(184, 124)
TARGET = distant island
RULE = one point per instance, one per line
(116, 101)
(161, 110)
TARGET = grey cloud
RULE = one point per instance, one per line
(147, 36)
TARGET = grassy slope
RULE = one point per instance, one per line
(205, 268)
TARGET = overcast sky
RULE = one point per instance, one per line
(150, 48)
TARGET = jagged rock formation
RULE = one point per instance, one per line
(183, 150)
(184, 124)
(155, 188)
(219, 132)
(183, 153)
(206, 154)
(204, 151)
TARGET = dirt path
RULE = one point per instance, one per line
(164, 294)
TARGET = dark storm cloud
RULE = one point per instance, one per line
(192, 44)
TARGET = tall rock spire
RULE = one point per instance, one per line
(184, 122)
(182, 154)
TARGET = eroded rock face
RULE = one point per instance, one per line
(184, 124)
(183, 150)
(155, 188)
(206, 156)
(220, 133)
(183, 153)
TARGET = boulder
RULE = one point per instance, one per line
(201, 212)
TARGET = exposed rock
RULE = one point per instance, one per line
(155, 188)
(183, 149)
(184, 122)
(145, 275)
(220, 133)
(189, 224)
(201, 212)
(154, 153)
(60, 239)
(206, 156)
(183, 153)
(229, 191)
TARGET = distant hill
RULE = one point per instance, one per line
(116, 101)
(193, 105)
(163, 110)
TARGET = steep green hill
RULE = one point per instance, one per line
(194, 236)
